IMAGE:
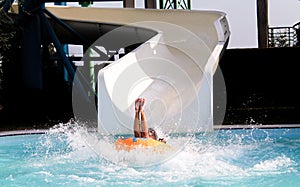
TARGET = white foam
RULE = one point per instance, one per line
(280, 163)
(190, 158)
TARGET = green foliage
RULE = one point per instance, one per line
(8, 44)
(7, 31)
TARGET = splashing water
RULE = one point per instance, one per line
(70, 155)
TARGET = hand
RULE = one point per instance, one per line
(163, 140)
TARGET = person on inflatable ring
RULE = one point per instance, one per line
(142, 131)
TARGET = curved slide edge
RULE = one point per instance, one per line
(173, 70)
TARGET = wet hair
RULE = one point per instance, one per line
(152, 132)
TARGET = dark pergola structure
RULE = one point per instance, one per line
(163, 4)
(262, 23)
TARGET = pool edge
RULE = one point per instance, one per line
(273, 126)
(216, 127)
(23, 132)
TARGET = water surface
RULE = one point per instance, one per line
(69, 156)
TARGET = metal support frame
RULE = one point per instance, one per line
(126, 3)
(32, 8)
(62, 54)
(35, 13)
(6, 5)
(175, 4)
(58, 46)
(65, 26)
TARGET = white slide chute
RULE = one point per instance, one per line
(173, 70)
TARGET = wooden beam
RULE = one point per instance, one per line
(150, 4)
(128, 3)
(262, 23)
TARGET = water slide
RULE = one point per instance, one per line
(172, 68)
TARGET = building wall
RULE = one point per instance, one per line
(261, 85)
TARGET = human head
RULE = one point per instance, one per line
(152, 133)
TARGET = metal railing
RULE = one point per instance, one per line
(284, 36)
(175, 4)
(297, 29)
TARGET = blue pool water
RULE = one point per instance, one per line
(75, 157)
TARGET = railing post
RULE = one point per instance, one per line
(150, 4)
(161, 4)
(298, 37)
(262, 23)
(128, 3)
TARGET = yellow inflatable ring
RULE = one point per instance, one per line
(133, 143)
